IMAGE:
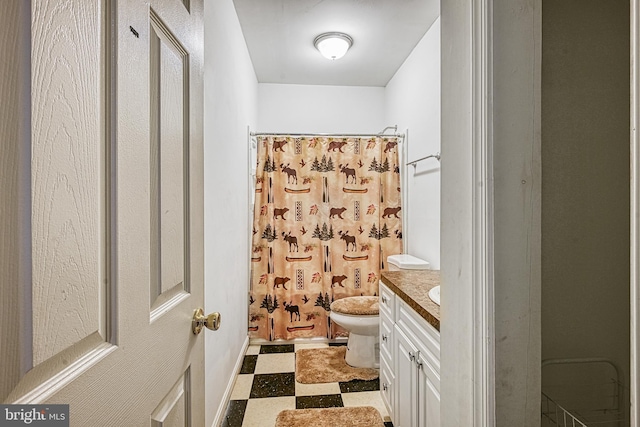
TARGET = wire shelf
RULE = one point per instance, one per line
(555, 415)
(589, 400)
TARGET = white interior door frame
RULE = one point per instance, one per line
(634, 381)
(505, 219)
(467, 225)
(483, 218)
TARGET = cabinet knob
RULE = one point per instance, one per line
(412, 356)
(384, 299)
(385, 386)
(419, 362)
(384, 337)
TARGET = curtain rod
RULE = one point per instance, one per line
(336, 135)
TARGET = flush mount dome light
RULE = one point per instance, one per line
(333, 45)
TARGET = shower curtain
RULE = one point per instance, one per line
(327, 214)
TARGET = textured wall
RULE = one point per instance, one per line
(585, 186)
(517, 176)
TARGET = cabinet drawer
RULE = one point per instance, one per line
(387, 302)
(386, 337)
(387, 381)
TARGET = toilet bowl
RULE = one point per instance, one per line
(359, 316)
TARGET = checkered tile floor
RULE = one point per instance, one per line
(266, 385)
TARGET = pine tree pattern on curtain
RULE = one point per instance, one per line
(327, 214)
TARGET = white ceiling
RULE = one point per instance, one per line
(280, 34)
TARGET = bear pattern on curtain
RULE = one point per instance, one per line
(327, 214)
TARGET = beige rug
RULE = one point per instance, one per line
(327, 365)
(360, 416)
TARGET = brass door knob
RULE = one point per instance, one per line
(212, 321)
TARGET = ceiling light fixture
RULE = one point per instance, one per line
(333, 45)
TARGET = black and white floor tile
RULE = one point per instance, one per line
(267, 385)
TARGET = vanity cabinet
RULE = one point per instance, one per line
(387, 349)
(409, 364)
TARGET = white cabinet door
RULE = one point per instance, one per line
(406, 414)
(409, 367)
(428, 394)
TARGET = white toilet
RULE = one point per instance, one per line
(359, 316)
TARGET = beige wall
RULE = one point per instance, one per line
(585, 180)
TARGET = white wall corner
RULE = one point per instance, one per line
(226, 397)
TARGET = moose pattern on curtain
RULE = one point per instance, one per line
(327, 214)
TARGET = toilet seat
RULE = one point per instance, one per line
(357, 306)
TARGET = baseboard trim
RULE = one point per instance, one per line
(217, 421)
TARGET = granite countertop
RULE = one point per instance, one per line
(413, 287)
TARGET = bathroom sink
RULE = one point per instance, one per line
(434, 294)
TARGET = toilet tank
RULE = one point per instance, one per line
(406, 262)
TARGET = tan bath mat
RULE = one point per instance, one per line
(327, 365)
(360, 416)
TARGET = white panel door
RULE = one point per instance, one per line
(116, 204)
